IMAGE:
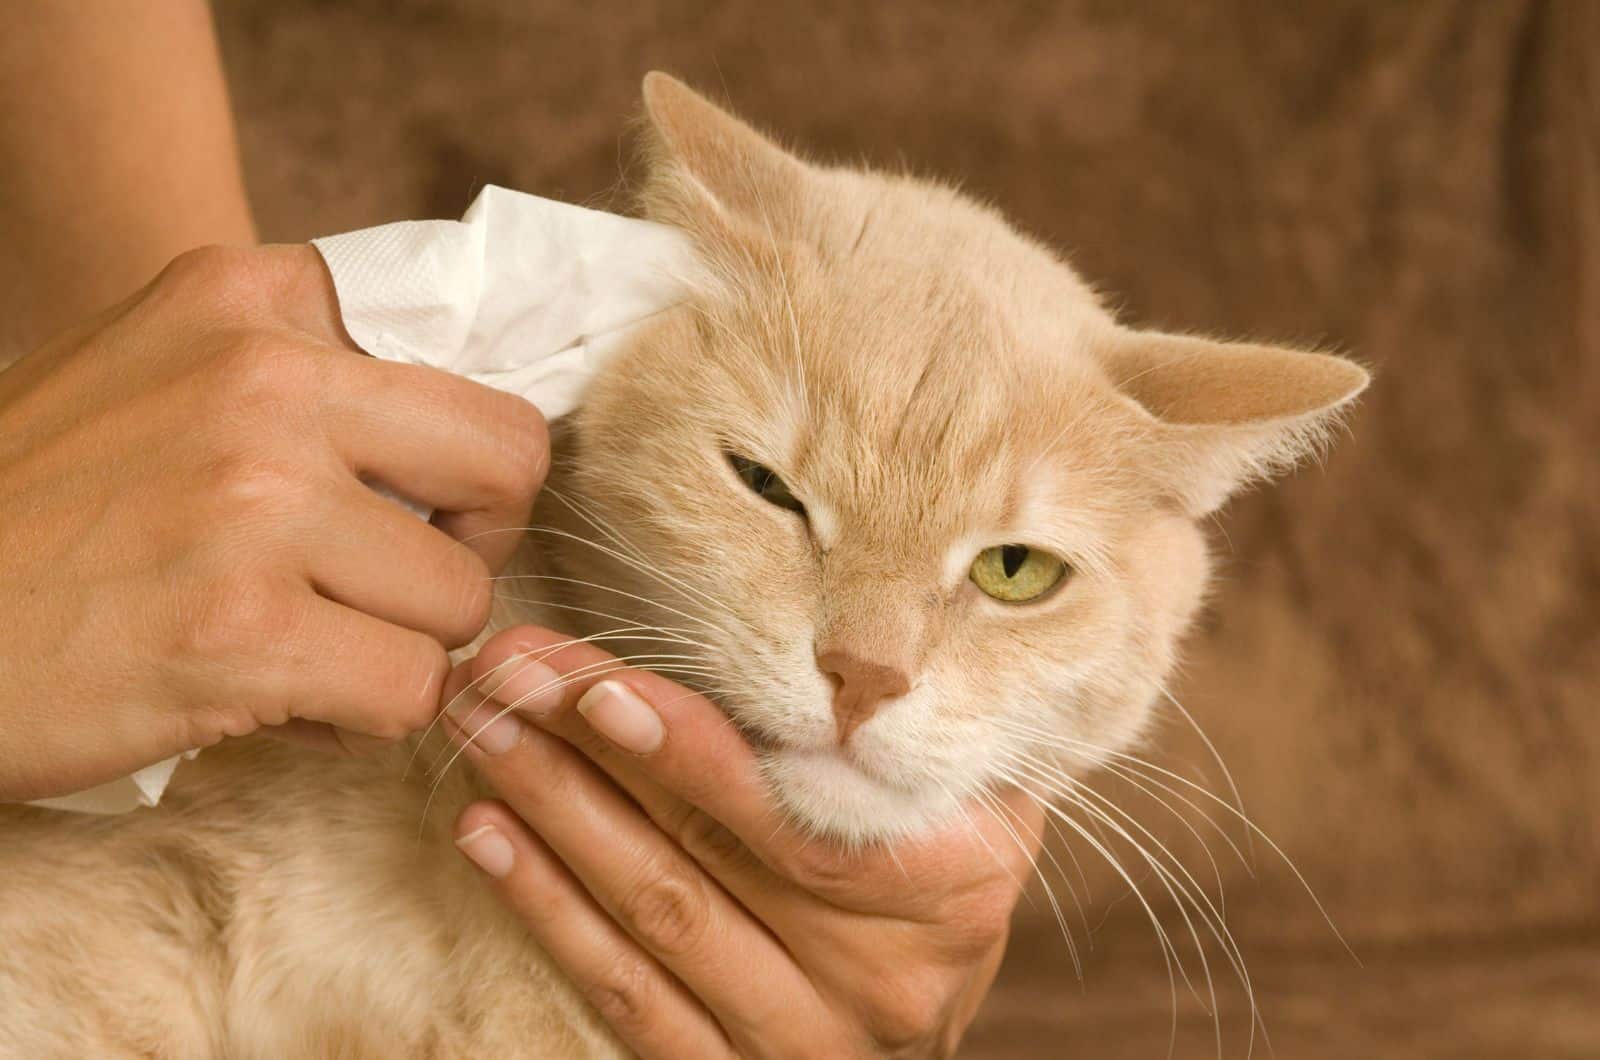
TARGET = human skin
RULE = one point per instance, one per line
(116, 155)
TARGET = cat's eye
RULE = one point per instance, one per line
(1016, 573)
(765, 483)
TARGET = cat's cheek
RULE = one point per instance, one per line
(1170, 568)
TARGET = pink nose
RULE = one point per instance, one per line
(863, 686)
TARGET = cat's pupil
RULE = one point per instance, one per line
(1012, 557)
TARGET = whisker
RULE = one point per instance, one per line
(1143, 784)
(608, 589)
(631, 633)
(1095, 755)
(1181, 885)
(1216, 756)
(685, 663)
(605, 665)
(638, 564)
(996, 808)
(600, 525)
(1169, 952)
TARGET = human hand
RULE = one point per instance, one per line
(187, 548)
(641, 848)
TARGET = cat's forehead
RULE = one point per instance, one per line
(914, 406)
(927, 367)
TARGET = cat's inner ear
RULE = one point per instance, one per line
(701, 156)
(1230, 412)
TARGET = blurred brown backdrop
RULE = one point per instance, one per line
(1402, 663)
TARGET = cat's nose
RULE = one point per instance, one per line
(863, 686)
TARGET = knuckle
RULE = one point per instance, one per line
(213, 268)
(906, 1012)
(475, 592)
(253, 489)
(239, 280)
(239, 616)
(209, 724)
(821, 867)
(708, 841)
(971, 926)
(527, 460)
(668, 912)
(391, 728)
(624, 996)
(260, 371)
(703, 783)
(419, 702)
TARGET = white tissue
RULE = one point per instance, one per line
(525, 294)
(522, 293)
(143, 788)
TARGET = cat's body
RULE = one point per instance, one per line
(933, 388)
(272, 907)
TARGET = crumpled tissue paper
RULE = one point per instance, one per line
(525, 294)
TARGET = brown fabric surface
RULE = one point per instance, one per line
(1402, 663)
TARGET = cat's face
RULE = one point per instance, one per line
(905, 498)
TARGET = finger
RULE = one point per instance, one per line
(475, 454)
(704, 761)
(492, 728)
(330, 663)
(653, 1013)
(370, 554)
(684, 743)
(528, 687)
(654, 889)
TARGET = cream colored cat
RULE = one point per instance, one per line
(901, 447)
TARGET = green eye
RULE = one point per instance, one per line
(1016, 573)
(765, 483)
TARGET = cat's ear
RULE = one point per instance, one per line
(701, 158)
(1230, 413)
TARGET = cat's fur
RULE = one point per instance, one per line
(930, 383)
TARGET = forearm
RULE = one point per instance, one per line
(117, 152)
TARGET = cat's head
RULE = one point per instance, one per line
(908, 501)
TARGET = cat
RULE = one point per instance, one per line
(890, 445)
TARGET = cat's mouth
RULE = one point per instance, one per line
(824, 755)
(840, 795)
(848, 791)
(848, 758)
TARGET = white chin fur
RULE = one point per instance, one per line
(831, 796)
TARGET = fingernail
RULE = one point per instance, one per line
(530, 686)
(489, 850)
(477, 722)
(619, 714)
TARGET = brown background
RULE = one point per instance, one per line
(1401, 665)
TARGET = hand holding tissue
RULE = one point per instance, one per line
(524, 294)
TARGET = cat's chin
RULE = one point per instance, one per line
(833, 796)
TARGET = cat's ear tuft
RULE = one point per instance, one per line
(701, 157)
(1231, 413)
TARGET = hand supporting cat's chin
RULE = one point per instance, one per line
(833, 792)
